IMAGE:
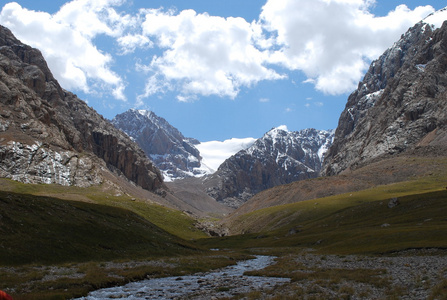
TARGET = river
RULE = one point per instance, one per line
(226, 282)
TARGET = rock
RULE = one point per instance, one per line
(393, 203)
(400, 106)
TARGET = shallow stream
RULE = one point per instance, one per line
(226, 282)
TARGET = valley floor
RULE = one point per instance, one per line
(412, 274)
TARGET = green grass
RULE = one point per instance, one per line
(350, 223)
(173, 221)
(36, 229)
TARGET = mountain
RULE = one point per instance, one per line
(176, 156)
(48, 135)
(279, 157)
(399, 107)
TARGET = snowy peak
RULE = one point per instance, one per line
(176, 156)
(279, 157)
(311, 142)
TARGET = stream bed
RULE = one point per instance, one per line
(226, 282)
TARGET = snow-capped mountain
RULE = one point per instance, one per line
(176, 156)
(279, 157)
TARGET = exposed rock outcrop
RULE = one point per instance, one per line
(48, 135)
(401, 104)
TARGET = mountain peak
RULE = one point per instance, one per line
(176, 156)
(144, 112)
(279, 157)
(282, 127)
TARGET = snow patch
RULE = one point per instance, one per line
(282, 127)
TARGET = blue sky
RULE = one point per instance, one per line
(215, 69)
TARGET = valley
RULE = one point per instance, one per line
(358, 212)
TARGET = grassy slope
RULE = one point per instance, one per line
(37, 229)
(351, 223)
(170, 220)
(97, 226)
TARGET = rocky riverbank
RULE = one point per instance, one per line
(224, 283)
(413, 274)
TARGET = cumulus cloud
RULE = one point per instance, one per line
(66, 41)
(332, 41)
(194, 54)
(214, 153)
(205, 55)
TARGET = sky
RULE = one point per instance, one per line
(215, 69)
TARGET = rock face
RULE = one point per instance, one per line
(175, 155)
(279, 157)
(48, 135)
(401, 104)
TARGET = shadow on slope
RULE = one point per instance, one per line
(38, 229)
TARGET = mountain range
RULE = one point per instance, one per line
(279, 157)
(51, 136)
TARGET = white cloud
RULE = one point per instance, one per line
(131, 42)
(214, 153)
(437, 19)
(332, 41)
(264, 100)
(65, 40)
(205, 55)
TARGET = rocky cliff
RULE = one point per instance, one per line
(48, 135)
(176, 156)
(401, 104)
(279, 157)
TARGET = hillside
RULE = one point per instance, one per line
(401, 168)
